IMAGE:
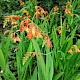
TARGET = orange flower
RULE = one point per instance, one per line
(56, 8)
(59, 31)
(67, 11)
(26, 12)
(68, 8)
(33, 32)
(49, 45)
(21, 2)
(13, 17)
(16, 17)
(23, 25)
(71, 14)
(34, 54)
(69, 4)
(14, 37)
(29, 35)
(38, 34)
(68, 30)
(40, 11)
(14, 22)
(70, 50)
(7, 31)
(75, 47)
(37, 13)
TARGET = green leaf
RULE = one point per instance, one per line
(0, 78)
(2, 60)
(57, 76)
(34, 77)
(49, 65)
(70, 40)
(63, 35)
(40, 61)
(24, 68)
(11, 74)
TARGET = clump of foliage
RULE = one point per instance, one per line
(39, 45)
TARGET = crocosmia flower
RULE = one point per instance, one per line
(24, 25)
